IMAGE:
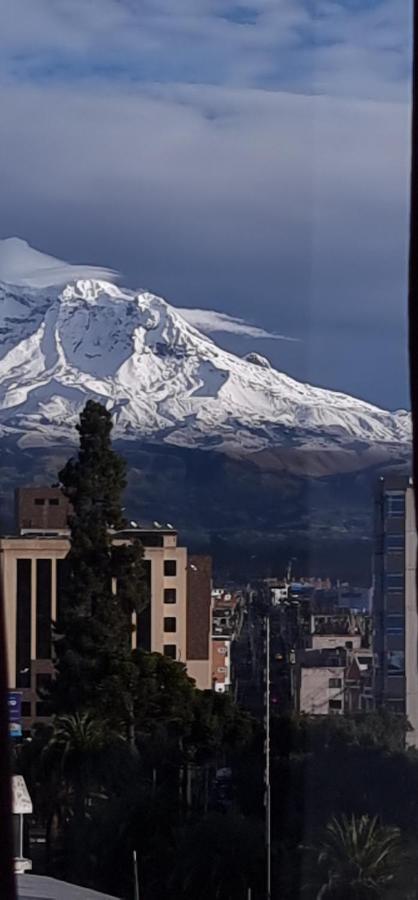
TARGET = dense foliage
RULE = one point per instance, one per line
(105, 583)
(101, 800)
(136, 758)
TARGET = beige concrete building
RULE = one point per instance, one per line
(176, 623)
(332, 641)
(319, 682)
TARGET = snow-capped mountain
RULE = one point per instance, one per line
(161, 378)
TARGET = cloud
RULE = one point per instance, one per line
(21, 264)
(360, 49)
(289, 205)
(210, 321)
(252, 158)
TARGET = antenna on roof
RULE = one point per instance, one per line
(169, 525)
(157, 525)
(134, 524)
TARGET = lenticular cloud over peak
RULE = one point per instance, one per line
(22, 265)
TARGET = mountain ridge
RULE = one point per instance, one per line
(161, 378)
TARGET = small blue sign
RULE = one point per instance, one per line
(15, 714)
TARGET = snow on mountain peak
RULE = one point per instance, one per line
(161, 378)
(257, 360)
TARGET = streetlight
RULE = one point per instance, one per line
(267, 764)
(136, 877)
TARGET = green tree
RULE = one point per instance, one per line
(82, 763)
(220, 856)
(94, 661)
(359, 857)
(79, 748)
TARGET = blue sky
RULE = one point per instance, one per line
(251, 159)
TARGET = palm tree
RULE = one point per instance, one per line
(77, 747)
(82, 762)
(359, 857)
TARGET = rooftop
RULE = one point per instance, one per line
(39, 887)
(328, 657)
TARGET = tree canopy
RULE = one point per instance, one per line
(105, 582)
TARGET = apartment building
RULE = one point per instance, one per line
(395, 619)
(33, 570)
(221, 665)
(332, 680)
(333, 673)
(318, 681)
(227, 618)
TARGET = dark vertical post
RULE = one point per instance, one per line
(267, 764)
(136, 876)
(7, 879)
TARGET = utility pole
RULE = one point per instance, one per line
(136, 878)
(267, 763)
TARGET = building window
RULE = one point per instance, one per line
(170, 595)
(396, 662)
(26, 709)
(143, 622)
(395, 504)
(170, 650)
(23, 622)
(395, 624)
(395, 603)
(63, 577)
(170, 623)
(394, 580)
(39, 501)
(170, 568)
(349, 645)
(395, 543)
(395, 706)
(335, 704)
(54, 501)
(335, 683)
(395, 641)
(43, 608)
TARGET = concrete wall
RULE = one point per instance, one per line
(315, 693)
(324, 641)
(200, 671)
(160, 610)
(41, 508)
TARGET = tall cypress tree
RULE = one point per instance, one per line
(94, 662)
